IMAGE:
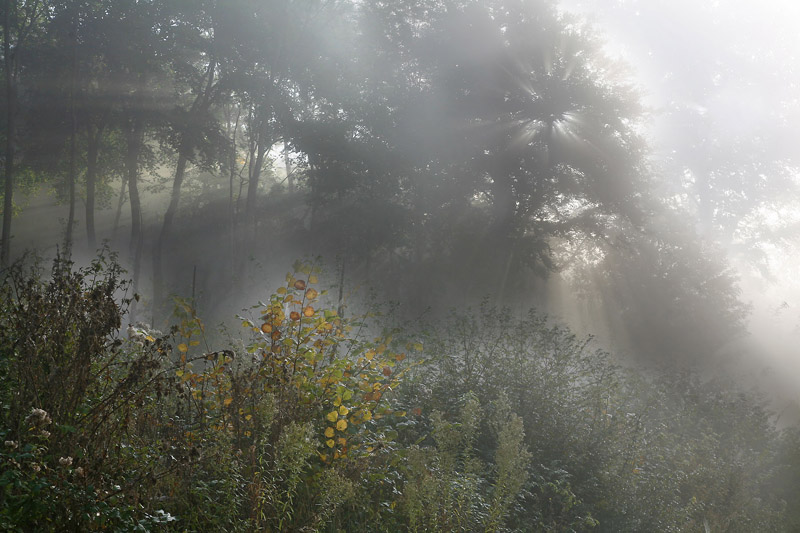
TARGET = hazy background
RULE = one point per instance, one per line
(720, 80)
(718, 87)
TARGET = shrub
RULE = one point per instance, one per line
(314, 422)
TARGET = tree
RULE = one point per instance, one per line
(479, 127)
(195, 61)
(20, 23)
(138, 66)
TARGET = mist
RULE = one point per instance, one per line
(719, 81)
(582, 215)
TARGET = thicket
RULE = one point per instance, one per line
(311, 421)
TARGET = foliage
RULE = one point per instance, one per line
(158, 428)
(420, 135)
(312, 422)
(443, 493)
(610, 450)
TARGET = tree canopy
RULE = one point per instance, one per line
(426, 146)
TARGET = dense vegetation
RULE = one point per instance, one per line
(309, 421)
(427, 147)
(439, 151)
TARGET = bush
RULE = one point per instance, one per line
(103, 432)
(313, 422)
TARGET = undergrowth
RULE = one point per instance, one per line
(312, 422)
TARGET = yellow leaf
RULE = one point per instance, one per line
(329, 431)
(332, 416)
(367, 415)
(150, 338)
(342, 441)
(282, 290)
(337, 401)
(369, 355)
(343, 410)
(313, 279)
(248, 417)
(341, 425)
(329, 443)
(183, 348)
(227, 402)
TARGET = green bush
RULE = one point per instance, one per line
(313, 422)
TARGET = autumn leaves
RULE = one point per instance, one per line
(320, 362)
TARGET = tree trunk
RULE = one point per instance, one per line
(134, 140)
(231, 205)
(166, 227)
(93, 135)
(185, 149)
(73, 151)
(119, 207)
(71, 183)
(252, 185)
(8, 191)
(502, 232)
(287, 163)
(133, 187)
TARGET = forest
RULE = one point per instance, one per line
(398, 265)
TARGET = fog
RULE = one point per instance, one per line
(553, 248)
(720, 82)
(705, 114)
